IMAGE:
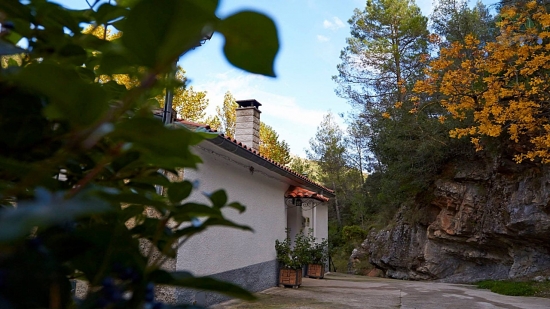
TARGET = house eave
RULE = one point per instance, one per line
(240, 151)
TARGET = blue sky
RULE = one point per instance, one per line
(312, 33)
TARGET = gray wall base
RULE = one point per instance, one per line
(253, 278)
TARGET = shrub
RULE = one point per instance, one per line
(508, 287)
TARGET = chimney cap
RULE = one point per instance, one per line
(249, 103)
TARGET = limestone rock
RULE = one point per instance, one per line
(485, 220)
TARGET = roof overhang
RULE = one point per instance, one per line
(245, 153)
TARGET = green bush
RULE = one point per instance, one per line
(508, 287)
(293, 256)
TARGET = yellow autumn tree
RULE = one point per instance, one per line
(188, 103)
(271, 147)
(226, 116)
(500, 88)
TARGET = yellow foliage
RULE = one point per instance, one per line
(189, 104)
(502, 86)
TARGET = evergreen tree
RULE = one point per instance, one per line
(328, 150)
(453, 20)
(389, 38)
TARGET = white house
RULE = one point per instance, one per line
(276, 198)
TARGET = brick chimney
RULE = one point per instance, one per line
(247, 125)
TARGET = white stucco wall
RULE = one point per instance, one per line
(221, 249)
(321, 221)
(318, 221)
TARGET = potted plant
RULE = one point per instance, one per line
(291, 259)
(318, 256)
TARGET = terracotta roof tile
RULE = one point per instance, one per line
(295, 192)
(194, 126)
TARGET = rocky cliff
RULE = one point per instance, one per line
(480, 220)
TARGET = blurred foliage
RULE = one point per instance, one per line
(87, 173)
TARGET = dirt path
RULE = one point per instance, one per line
(347, 291)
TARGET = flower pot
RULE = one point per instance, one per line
(316, 271)
(290, 277)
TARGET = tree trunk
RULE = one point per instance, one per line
(336, 207)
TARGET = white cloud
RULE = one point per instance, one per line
(338, 22)
(322, 38)
(283, 113)
(335, 24)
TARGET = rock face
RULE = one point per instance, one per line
(481, 221)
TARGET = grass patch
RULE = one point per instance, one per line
(513, 288)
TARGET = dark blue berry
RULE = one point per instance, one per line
(149, 296)
(108, 282)
(150, 292)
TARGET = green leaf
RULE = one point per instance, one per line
(108, 12)
(218, 198)
(155, 179)
(157, 33)
(73, 54)
(251, 42)
(188, 211)
(178, 191)
(113, 63)
(53, 15)
(193, 230)
(13, 37)
(14, 167)
(70, 97)
(238, 206)
(187, 280)
(165, 147)
(126, 3)
(46, 210)
(85, 74)
(133, 198)
(15, 9)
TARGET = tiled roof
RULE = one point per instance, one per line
(204, 127)
(295, 192)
